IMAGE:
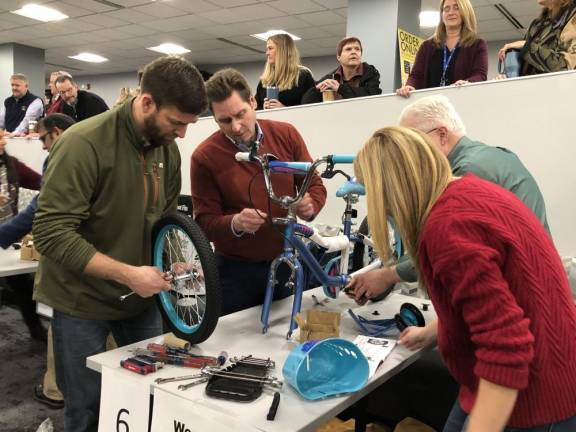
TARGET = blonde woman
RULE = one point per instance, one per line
(506, 319)
(454, 55)
(550, 43)
(284, 71)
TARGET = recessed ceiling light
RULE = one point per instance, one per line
(429, 18)
(265, 36)
(89, 57)
(169, 48)
(40, 13)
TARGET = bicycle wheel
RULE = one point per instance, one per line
(192, 305)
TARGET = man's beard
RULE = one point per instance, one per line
(153, 134)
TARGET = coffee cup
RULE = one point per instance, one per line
(272, 92)
(32, 126)
(328, 95)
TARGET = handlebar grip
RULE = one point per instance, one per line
(343, 159)
(290, 167)
(242, 156)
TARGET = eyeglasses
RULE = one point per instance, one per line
(431, 130)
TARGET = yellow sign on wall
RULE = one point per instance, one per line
(408, 45)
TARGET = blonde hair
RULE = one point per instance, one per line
(286, 68)
(125, 94)
(468, 31)
(404, 174)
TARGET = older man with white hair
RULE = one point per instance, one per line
(438, 119)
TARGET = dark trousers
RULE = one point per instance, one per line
(409, 394)
(458, 420)
(244, 283)
(76, 339)
(21, 287)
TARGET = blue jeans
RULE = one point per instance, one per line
(76, 339)
(458, 420)
(243, 283)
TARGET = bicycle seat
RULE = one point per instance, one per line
(351, 187)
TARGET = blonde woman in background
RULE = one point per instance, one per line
(454, 55)
(283, 70)
(506, 319)
(125, 94)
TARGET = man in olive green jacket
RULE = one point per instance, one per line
(109, 179)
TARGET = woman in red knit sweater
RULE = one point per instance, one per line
(506, 318)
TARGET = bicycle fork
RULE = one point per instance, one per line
(296, 284)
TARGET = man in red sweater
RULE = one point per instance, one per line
(229, 198)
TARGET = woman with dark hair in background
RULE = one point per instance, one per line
(506, 318)
(550, 43)
(455, 55)
(284, 71)
(13, 175)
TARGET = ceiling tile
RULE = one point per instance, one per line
(193, 6)
(70, 10)
(296, 6)
(232, 3)
(495, 25)
(138, 30)
(335, 29)
(335, 4)
(286, 23)
(90, 5)
(130, 15)
(159, 10)
(323, 18)
(485, 13)
(343, 12)
(103, 20)
(257, 12)
(178, 23)
(223, 16)
(312, 33)
(236, 29)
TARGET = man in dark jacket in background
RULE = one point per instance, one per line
(80, 104)
(351, 79)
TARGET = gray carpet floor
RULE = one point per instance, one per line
(22, 366)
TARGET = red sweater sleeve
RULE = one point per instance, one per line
(27, 177)
(465, 262)
(207, 201)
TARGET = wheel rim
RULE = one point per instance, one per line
(185, 302)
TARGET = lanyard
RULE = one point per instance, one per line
(446, 59)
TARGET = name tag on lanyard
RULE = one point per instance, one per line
(446, 59)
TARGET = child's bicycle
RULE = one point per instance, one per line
(336, 273)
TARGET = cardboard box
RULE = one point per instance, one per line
(28, 252)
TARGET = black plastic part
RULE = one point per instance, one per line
(274, 407)
(237, 390)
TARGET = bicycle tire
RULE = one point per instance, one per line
(191, 308)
